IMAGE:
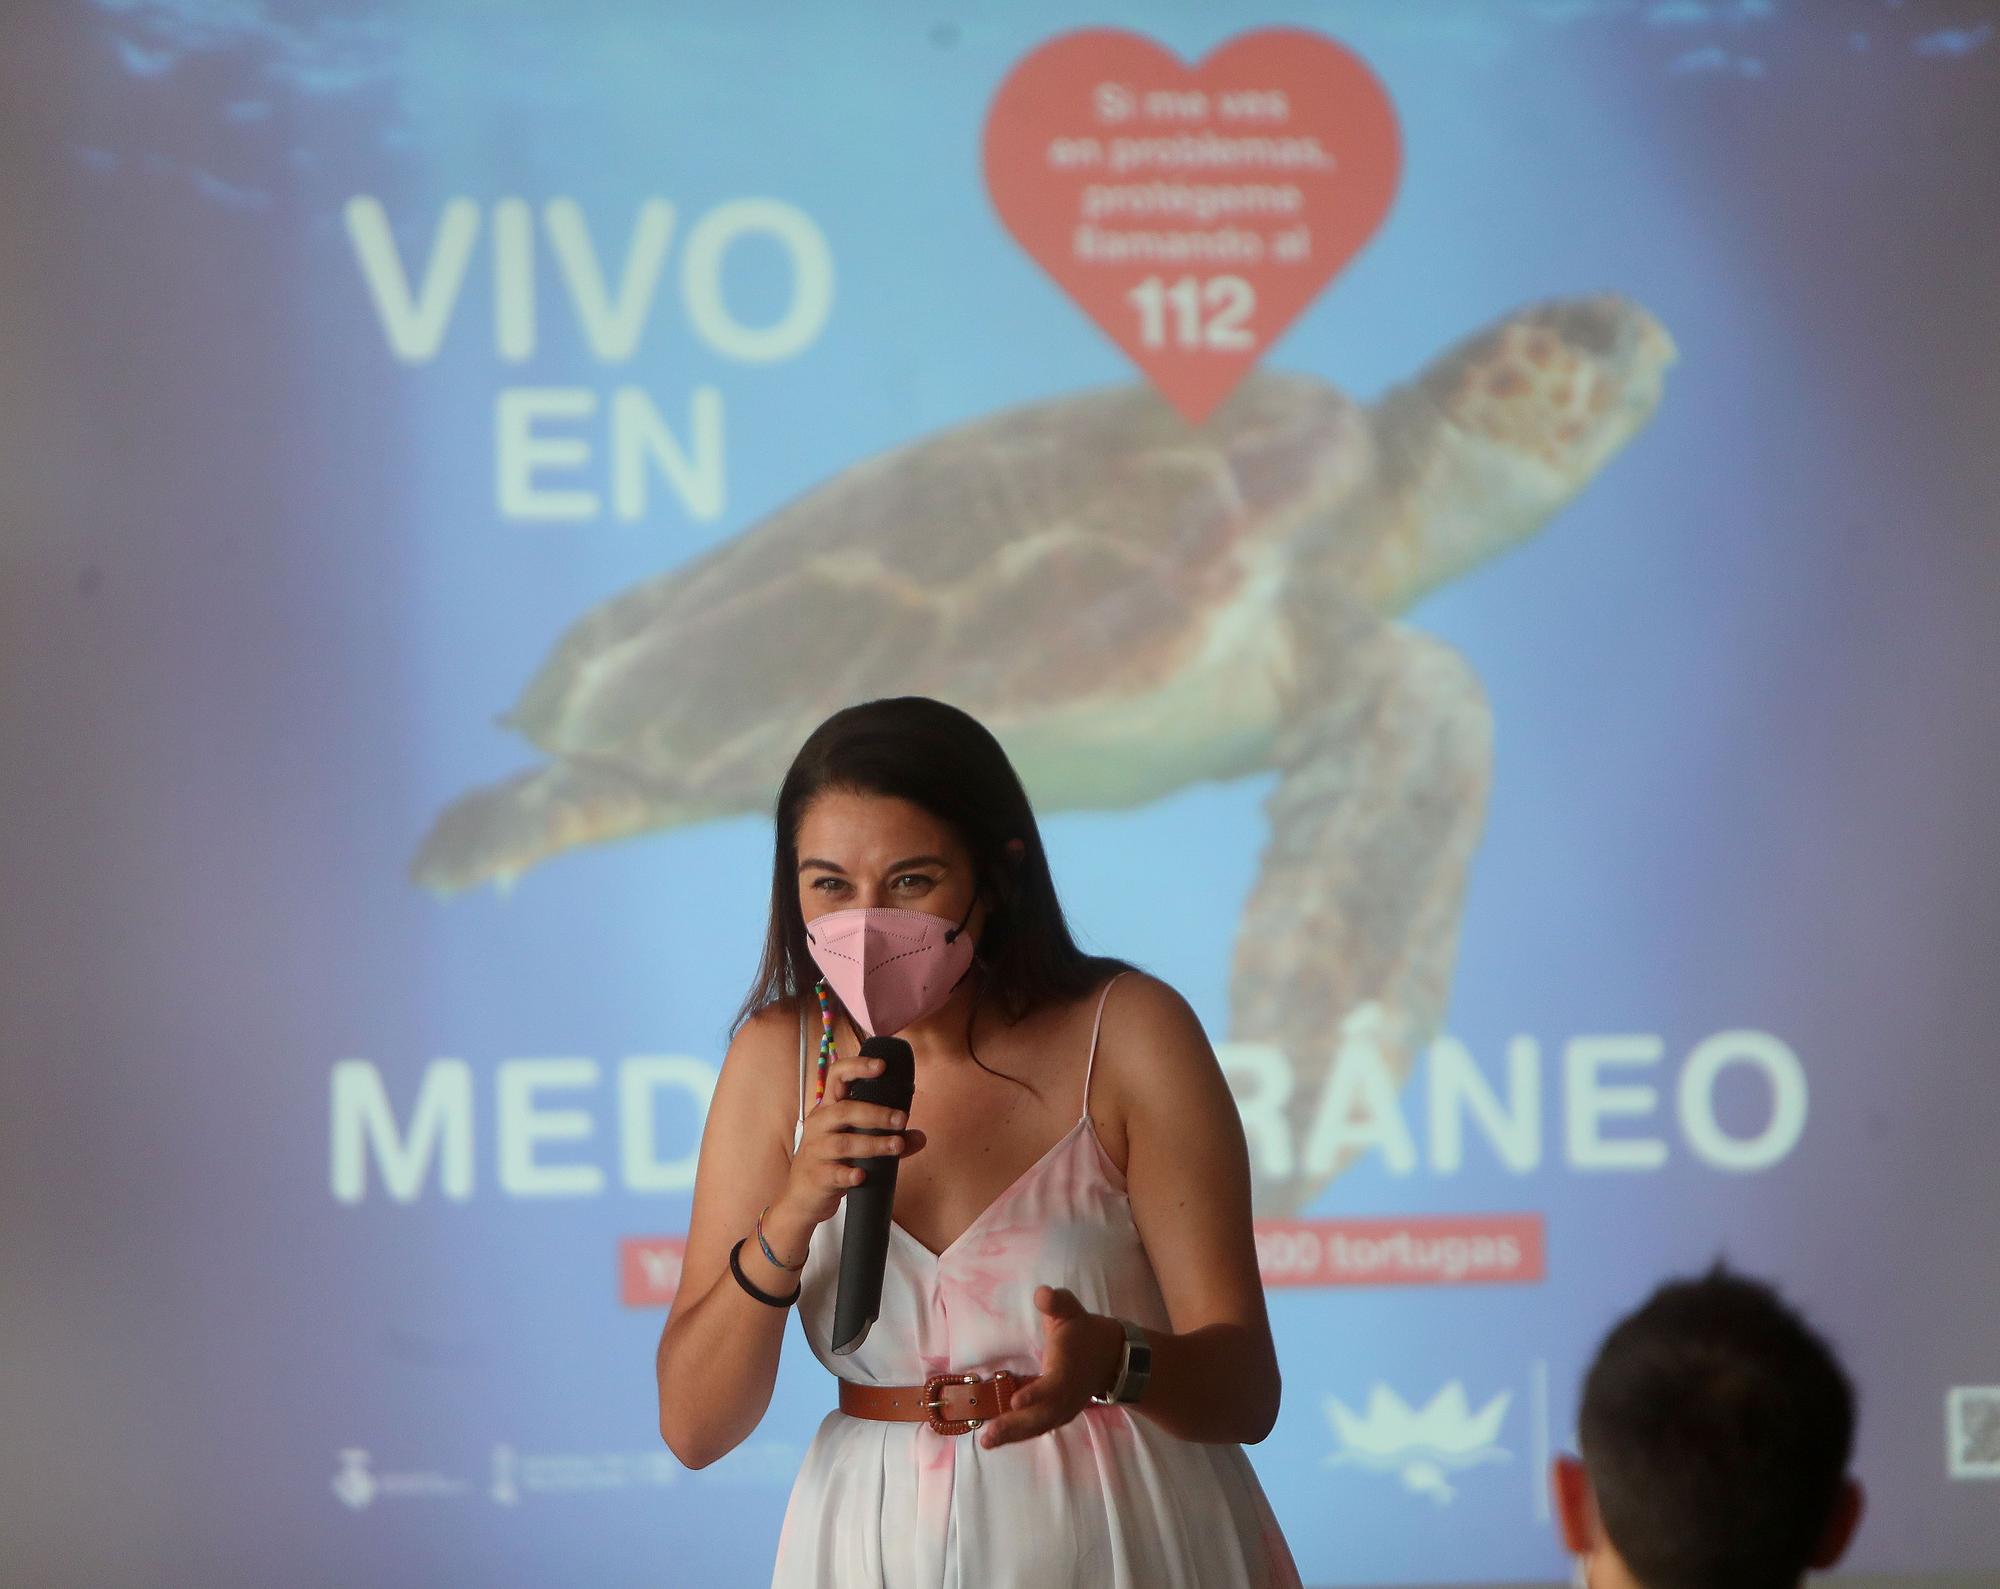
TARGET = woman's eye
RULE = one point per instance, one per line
(826, 885)
(916, 880)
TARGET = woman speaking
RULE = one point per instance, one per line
(1071, 1345)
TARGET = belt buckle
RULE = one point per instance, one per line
(934, 1402)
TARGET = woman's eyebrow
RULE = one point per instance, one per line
(914, 860)
(825, 866)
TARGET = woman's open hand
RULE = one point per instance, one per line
(1080, 1356)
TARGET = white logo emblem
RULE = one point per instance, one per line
(354, 1484)
(1422, 1446)
(1972, 1431)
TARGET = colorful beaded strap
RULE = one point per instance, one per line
(825, 1037)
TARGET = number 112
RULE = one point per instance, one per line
(1228, 301)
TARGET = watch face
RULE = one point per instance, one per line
(1133, 1366)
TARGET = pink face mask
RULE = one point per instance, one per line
(890, 967)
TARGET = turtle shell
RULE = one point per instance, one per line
(1070, 556)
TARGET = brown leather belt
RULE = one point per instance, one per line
(952, 1404)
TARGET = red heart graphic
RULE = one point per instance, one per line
(1192, 212)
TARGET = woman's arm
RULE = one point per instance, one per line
(718, 1354)
(1188, 1175)
(1215, 1376)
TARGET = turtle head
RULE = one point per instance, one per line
(1495, 435)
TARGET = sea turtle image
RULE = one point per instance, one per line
(1131, 604)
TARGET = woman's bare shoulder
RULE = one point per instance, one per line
(1151, 1037)
(1147, 1005)
(775, 1022)
(761, 1068)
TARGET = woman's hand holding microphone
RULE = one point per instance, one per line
(821, 1173)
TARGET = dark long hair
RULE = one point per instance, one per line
(945, 761)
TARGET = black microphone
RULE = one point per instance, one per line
(864, 1241)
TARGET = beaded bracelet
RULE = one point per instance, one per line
(776, 1261)
(743, 1280)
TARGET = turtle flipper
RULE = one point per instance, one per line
(1350, 931)
(494, 834)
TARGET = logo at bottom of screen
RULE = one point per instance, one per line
(356, 1484)
(1972, 1431)
(1434, 1447)
(516, 1473)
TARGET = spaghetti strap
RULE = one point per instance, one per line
(1095, 1027)
(799, 1130)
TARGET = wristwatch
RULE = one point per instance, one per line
(1135, 1367)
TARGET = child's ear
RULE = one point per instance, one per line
(1840, 1527)
(1576, 1508)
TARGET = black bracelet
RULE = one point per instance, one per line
(743, 1280)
